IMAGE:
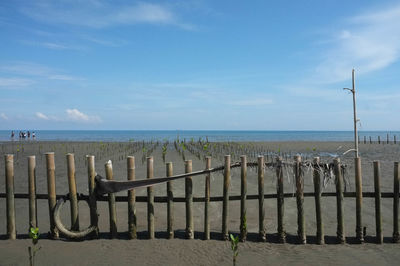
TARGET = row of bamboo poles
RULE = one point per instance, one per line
(189, 199)
(379, 140)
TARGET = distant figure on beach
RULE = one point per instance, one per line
(12, 134)
(33, 135)
(29, 135)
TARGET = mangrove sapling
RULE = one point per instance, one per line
(234, 247)
(34, 235)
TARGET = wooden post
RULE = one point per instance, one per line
(394, 139)
(132, 226)
(51, 190)
(207, 201)
(170, 203)
(318, 208)
(261, 210)
(378, 217)
(365, 139)
(280, 200)
(150, 199)
(387, 138)
(301, 226)
(9, 162)
(370, 140)
(92, 195)
(189, 201)
(72, 192)
(111, 202)
(225, 203)
(243, 196)
(358, 181)
(32, 191)
(379, 139)
(358, 139)
(396, 203)
(339, 201)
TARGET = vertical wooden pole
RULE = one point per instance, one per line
(150, 199)
(207, 201)
(32, 191)
(396, 202)
(358, 181)
(370, 140)
(92, 195)
(243, 196)
(394, 139)
(378, 217)
(189, 201)
(51, 190)
(9, 162)
(72, 192)
(318, 208)
(225, 203)
(379, 139)
(280, 200)
(301, 232)
(365, 139)
(132, 226)
(339, 201)
(170, 203)
(261, 210)
(111, 202)
(387, 138)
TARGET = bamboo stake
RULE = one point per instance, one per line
(318, 208)
(189, 201)
(339, 201)
(394, 139)
(225, 203)
(132, 226)
(378, 217)
(170, 203)
(207, 201)
(243, 195)
(92, 195)
(9, 171)
(396, 203)
(32, 191)
(379, 139)
(150, 199)
(387, 138)
(72, 192)
(261, 210)
(280, 200)
(51, 190)
(358, 181)
(370, 140)
(301, 232)
(111, 202)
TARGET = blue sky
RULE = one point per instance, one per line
(240, 65)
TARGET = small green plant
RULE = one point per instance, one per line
(234, 247)
(34, 235)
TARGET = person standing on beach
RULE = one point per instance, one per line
(29, 134)
(12, 135)
(33, 135)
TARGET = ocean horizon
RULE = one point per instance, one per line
(211, 135)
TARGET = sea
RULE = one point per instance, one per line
(211, 135)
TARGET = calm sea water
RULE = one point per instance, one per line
(212, 135)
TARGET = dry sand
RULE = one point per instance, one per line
(198, 252)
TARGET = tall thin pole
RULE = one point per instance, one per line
(355, 113)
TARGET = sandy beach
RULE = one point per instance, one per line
(179, 251)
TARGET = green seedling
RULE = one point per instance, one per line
(34, 235)
(234, 247)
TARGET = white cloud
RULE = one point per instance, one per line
(369, 42)
(15, 82)
(42, 116)
(3, 116)
(78, 116)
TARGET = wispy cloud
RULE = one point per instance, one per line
(367, 42)
(100, 14)
(78, 116)
(3, 116)
(15, 82)
(42, 116)
(52, 45)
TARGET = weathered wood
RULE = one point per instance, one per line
(379, 139)
(92, 195)
(150, 199)
(365, 139)
(280, 200)
(10, 203)
(394, 139)
(387, 138)
(243, 195)
(111, 202)
(51, 190)
(207, 201)
(132, 224)
(370, 140)
(358, 182)
(170, 202)
(189, 201)
(378, 216)
(318, 207)
(72, 192)
(301, 226)
(225, 202)
(32, 191)
(339, 201)
(261, 209)
(396, 202)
